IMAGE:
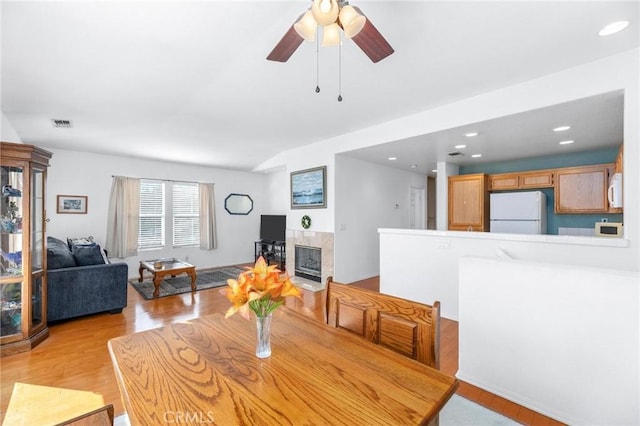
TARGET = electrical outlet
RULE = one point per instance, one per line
(443, 244)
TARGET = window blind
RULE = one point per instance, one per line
(186, 214)
(152, 214)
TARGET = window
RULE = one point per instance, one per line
(151, 228)
(186, 214)
(168, 208)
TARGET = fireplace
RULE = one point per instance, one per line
(308, 262)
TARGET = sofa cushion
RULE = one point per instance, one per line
(88, 255)
(58, 254)
(80, 241)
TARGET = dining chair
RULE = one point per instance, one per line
(405, 326)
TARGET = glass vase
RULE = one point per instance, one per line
(263, 346)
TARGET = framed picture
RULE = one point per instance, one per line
(309, 188)
(73, 204)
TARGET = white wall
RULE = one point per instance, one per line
(422, 265)
(559, 339)
(277, 194)
(370, 197)
(7, 132)
(322, 219)
(78, 173)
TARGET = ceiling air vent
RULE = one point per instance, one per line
(455, 154)
(62, 123)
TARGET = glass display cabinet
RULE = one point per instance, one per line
(23, 286)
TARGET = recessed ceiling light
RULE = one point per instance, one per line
(613, 28)
(476, 156)
(413, 166)
(460, 146)
(566, 142)
(561, 128)
(434, 171)
(392, 158)
(471, 134)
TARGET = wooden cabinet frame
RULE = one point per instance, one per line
(24, 315)
(469, 202)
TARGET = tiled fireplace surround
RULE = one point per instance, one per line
(323, 240)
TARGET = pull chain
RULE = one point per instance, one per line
(340, 68)
(317, 60)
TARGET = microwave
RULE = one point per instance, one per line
(608, 229)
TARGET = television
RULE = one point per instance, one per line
(273, 227)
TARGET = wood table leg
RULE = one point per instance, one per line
(192, 274)
(157, 279)
(140, 271)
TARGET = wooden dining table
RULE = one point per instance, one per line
(205, 371)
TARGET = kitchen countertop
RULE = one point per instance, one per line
(549, 239)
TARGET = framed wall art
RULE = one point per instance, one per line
(72, 204)
(309, 188)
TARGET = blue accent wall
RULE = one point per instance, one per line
(555, 221)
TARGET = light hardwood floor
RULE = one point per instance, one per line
(75, 355)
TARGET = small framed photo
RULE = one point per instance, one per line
(72, 204)
(309, 188)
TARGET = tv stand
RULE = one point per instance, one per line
(272, 251)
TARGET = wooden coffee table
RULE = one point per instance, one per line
(163, 267)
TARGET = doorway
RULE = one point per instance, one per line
(417, 208)
(431, 203)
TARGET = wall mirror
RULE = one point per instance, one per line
(238, 204)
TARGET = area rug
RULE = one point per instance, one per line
(170, 286)
(460, 411)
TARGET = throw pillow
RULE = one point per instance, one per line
(87, 255)
(58, 254)
(80, 241)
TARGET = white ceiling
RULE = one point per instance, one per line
(188, 81)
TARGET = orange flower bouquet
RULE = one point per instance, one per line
(260, 289)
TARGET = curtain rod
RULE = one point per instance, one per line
(162, 180)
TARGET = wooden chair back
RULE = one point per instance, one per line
(407, 327)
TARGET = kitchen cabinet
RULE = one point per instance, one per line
(536, 179)
(23, 287)
(469, 202)
(521, 180)
(617, 167)
(582, 189)
(504, 181)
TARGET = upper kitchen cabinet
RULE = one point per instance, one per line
(617, 167)
(522, 180)
(582, 189)
(469, 202)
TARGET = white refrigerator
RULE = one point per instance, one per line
(518, 212)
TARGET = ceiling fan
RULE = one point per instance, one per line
(333, 16)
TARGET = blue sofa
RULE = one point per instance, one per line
(81, 281)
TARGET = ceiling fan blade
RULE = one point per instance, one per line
(286, 46)
(372, 43)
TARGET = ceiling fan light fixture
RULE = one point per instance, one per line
(352, 21)
(325, 12)
(331, 35)
(306, 26)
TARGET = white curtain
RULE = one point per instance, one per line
(207, 217)
(123, 217)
